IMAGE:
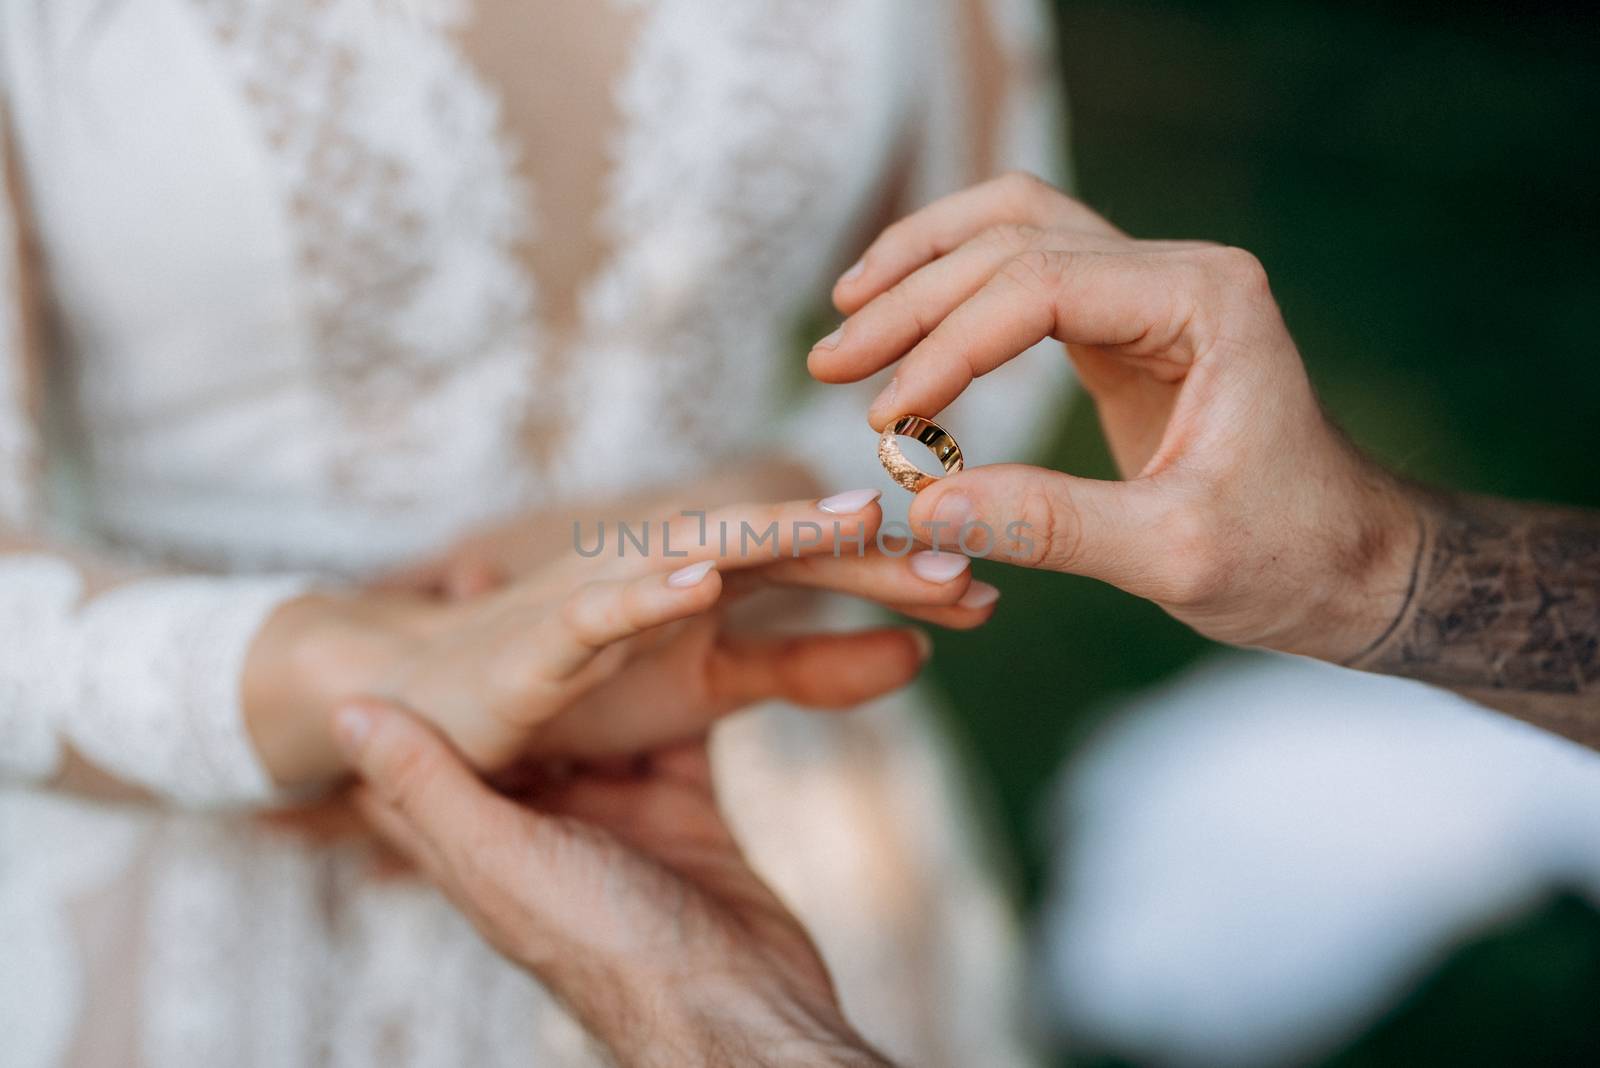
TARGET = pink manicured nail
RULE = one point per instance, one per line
(849, 502)
(886, 398)
(979, 595)
(351, 726)
(831, 341)
(857, 269)
(924, 645)
(692, 575)
(938, 567)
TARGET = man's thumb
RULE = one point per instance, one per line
(1037, 518)
(410, 767)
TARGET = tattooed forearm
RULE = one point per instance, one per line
(1505, 607)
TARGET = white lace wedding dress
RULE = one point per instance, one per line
(293, 291)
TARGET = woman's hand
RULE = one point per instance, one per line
(1245, 513)
(606, 656)
(625, 894)
(502, 552)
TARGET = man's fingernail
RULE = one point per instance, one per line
(938, 567)
(952, 512)
(849, 502)
(692, 575)
(924, 645)
(856, 270)
(979, 595)
(352, 725)
(831, 341)
(886, 398)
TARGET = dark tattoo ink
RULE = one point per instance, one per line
(1505, 599)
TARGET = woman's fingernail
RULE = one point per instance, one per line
(831, 341)
(352, 725)
(692, 575)
(924, 644)
(938, 567)
(886, 398)
(856, 270)
(979, 595)
(849, 502)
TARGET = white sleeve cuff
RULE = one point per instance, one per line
(143, 680)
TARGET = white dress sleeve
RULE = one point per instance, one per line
(142, 680)
(1013, 96)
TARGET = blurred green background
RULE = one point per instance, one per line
(1419, 180)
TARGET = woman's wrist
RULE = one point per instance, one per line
(312, 654)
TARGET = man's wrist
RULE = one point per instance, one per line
(1384, 551)
(1360, 559)
(1391, 585)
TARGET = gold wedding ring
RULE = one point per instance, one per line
(931, 434)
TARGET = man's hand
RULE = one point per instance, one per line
(1245, 513)
(625, 894)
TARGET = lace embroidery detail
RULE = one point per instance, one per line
(220, 893)
(407, 208)
(143, 679)
(752, 137)
(158, 665)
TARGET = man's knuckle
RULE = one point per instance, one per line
(1022, 193)
(1036, 270)
(996, 236)
(1192, 273)
(1237, 268)
(1010, 236)
(1052, 526)
(901, 297)
(895, 234)
(1192, 549)
(1024, 183)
